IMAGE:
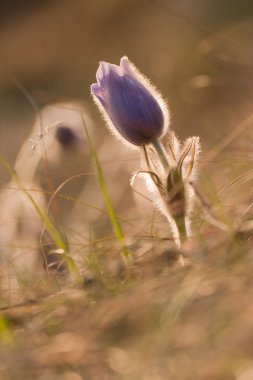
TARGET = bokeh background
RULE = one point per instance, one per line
(192, 322)
(197, 52)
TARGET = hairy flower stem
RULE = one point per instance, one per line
(180, 218)
(159, 149)
(180, 223)
(180, 236)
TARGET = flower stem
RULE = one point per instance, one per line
(160, 151)
(181, 236)
(180, 223)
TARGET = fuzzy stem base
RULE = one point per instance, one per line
(181, 227)
(181, 236)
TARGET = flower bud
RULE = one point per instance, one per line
(132, 107)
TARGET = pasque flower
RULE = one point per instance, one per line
(136, 112)
(132, 107)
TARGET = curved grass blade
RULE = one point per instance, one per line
(47, 222)
(107, 200)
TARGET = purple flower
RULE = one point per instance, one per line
(131, 106)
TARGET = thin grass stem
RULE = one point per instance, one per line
(107, 200)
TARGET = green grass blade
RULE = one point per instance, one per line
(47, 222)
(107, 200)
(6, 335)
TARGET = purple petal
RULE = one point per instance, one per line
(98, 92)
(126, 66)
(102, 71)
(132, 108)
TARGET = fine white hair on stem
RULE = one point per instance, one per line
(150, 179)
(170, 187)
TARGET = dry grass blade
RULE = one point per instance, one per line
(236, 132)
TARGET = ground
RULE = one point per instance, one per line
(152, 320)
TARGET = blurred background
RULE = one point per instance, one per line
(161, 321)
(197, 52)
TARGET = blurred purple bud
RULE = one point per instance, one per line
(130, 104)
(65, 136)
